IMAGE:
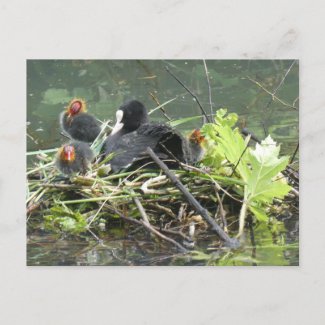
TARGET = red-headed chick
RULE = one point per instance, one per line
(196, 140)
(77, 123)
(74, 157)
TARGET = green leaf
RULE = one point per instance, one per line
(222, 119)
(265, 165)
(259, 213)
(184, 120)
(257, 167)
(225, 143)
(64, 219)
(162, 105)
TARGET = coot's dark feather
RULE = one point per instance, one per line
(131, 147)
(133, 134)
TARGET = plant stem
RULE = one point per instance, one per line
(242, 215)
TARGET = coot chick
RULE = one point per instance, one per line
(196, 139)
(74, 157)
(79, 124)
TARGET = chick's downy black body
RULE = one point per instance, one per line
(78, 124)
(82, 127)
(74, 157)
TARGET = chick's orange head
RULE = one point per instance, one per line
(196, 136)
(67, 153)
(76, 106)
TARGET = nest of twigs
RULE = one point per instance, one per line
(177, 206)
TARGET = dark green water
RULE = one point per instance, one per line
(106, 84)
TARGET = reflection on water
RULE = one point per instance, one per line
(236, 85)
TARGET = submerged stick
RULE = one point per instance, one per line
(151, 229)
(234, 243)
(190, 92)
(162, 236)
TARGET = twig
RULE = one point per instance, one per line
(295, 101)
(160, 235)
(161, 107)
(192, 168)
(167, 211)
(274, 92)
(252, 237)
(242, 216)
(141, 210)
(284, 77)
(95, 236)
(63, 186)
(274, 97)
(241, 156)
(189, 91)
(247, 132)
(120, 259)
(295, 192)
(33, 139)
(294, 154)
(146, 184)
(175, 232)
(190, 198)
(32, 207)
(97, 213)
(181, 211)
(209, 87)
(222, 213)
(152, 230)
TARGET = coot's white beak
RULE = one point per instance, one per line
(118, 125)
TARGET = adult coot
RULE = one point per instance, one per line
(129, 117)
(132, 134)
(74, 157)
(77, 123)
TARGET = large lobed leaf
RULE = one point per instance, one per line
(257, 167)
(265, 166)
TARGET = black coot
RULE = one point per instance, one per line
(132, 134)
(129, 117)
(78, 124)
(74, 157)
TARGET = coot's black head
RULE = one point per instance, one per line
(130, 116)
